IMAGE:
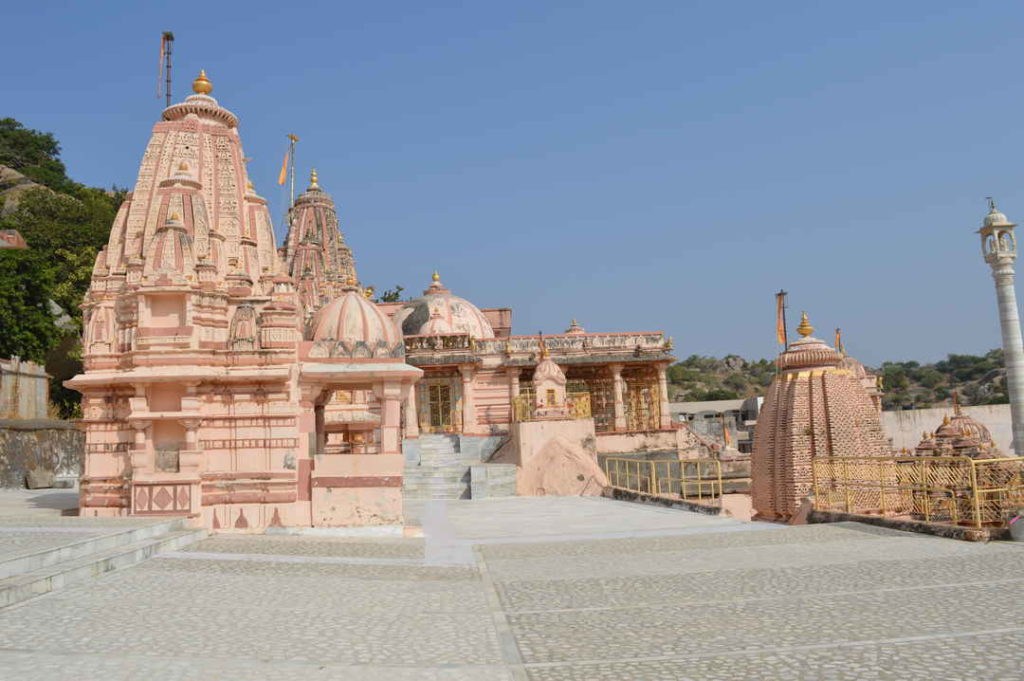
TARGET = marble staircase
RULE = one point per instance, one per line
(31, 573)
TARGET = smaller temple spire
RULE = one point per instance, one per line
(202, 85)
(805, 329)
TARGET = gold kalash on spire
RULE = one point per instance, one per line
(202, 85)
(805, 329)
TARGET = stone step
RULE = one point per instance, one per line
(121, 536)
(66, 573)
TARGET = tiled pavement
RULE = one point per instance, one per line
(550, 589)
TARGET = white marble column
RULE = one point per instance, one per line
(1013, 349)
(999, 247)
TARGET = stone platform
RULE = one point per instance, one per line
(548, 589)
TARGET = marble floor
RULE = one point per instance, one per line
(548, 589)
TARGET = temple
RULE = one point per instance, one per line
(247, 386)
(821, 405)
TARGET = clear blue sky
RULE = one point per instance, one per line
(638, 166)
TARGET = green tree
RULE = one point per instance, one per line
(391, 295)
(26, 284)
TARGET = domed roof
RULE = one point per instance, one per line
(995, 217)
(439, 312)
(354, 322)
(808, 351)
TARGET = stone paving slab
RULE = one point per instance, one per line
(732, 558)
(311, 546)
(986, 657)
(564, 636)
(509, 518)
(88, 667)
(739, 535)
(550, 589)
(747, 584)
(24, 541)
(314, 621)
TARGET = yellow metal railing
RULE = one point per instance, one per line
(578, 405)
(697, 480)
(524, 407)
(956, 490)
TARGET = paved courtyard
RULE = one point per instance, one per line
(549, 589)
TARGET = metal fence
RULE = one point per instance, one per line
(695, 480)
(956, 490)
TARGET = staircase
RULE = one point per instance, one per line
(28, 575)
(443, 471)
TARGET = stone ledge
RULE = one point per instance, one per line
(935, 529)
(644, 498)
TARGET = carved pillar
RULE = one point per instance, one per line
(142, 462)
(321, 429)
(390, 396)
(412, 424)
(666, 415)
(617, 390)
(468, 403)
(513, 390)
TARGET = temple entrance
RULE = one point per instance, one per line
(439, 405)
(642, 407)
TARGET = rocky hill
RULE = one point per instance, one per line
(909, 384)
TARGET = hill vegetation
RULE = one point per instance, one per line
(907, 385)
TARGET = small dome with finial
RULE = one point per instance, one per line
(575, 329)
(202, 85)
(439, 312)
(808, 351)
(995, 217)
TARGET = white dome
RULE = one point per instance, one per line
(439, 312)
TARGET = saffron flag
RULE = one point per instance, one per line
(725, 433)
(839, 340)
(780, 317)
(284, 168)
(160, 66)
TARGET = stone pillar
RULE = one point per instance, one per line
(412, 417)
(390, 396)
(1013, 349)
(141, 460)
(468, 403)
(513, 391)
(320, 429)
(999, 247)
(666, 415)
(617, 388)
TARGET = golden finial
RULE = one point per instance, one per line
(435, 277)
(183, 166)
(805, 329)
(175, 217)
(945, 420)
(313, 179)
(202, 85)
(351, 281)
(368, 292)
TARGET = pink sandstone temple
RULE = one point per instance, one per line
(247, 386)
